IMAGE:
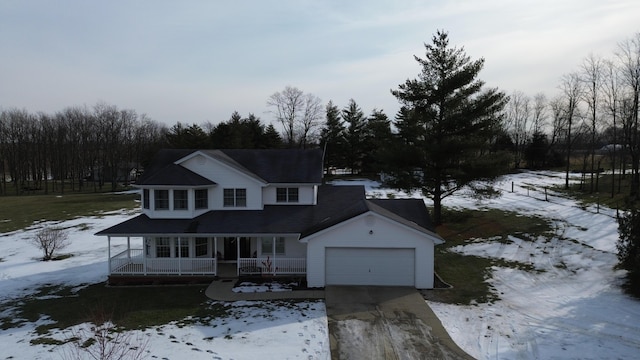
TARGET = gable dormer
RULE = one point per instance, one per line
(188, 183)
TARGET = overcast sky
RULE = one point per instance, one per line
(198, 61)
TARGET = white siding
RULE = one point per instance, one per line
(385, 233)
(226, 178)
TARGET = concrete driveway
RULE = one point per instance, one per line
(374, 322)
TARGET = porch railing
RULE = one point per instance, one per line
(133, 262)
(271, 266)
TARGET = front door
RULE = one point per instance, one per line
(231, 248)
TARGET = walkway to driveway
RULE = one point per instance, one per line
(367, 322)
(221, 290)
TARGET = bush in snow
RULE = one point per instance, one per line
(50, 240)
(629, 244)
(103, 340)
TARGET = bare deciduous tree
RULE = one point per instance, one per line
(50, 240)
(299, 114)
(572, 90)
(629, 56)
(103, 340)
(611, 91)
(517, 116)
(592, 69)
(539, 113)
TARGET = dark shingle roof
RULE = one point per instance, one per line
(335, 205)
(175, 175)
(270, 165)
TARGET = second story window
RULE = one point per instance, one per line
(287, 195)
(161, 199)
(145, 198)
(202, 199)
(235, 197)
(180, 200)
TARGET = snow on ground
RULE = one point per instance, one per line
(265, 330)
(571, 306)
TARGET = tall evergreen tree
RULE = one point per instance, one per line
(271, 138)
(447, 125)
(377, 140)
(332, 138)
(356, 122)
(244, 133)
(187, 137)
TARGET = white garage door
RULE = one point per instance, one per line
(370, 266)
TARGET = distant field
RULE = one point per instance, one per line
(18, 212)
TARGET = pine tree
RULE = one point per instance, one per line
(447, 126)
(377, 139)
(271, 138)
(629, 246)
(356, 121)
(332, 138)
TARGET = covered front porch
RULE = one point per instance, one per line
(220, 256)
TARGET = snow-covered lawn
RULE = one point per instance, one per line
(571, 307)
(249, 330)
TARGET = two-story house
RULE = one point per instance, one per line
(268, 212)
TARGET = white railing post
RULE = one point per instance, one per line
(144, 255)
(215, 253)
(273, 250)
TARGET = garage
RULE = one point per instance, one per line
(370, 266)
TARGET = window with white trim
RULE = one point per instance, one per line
(267, 246)
(235, 197)
(180, 200)
(202, 198)
(182, 247)
(163, 247)
(287, 195)
(161, 199)
(202, 247)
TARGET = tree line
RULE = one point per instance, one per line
(73, 148)
(594, 118)
(595, 114)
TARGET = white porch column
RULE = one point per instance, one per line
(109, 253)
(145, 243)
(215, 253)
(238, 256)
(273, 250)
(179, 255)
(129, 248)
